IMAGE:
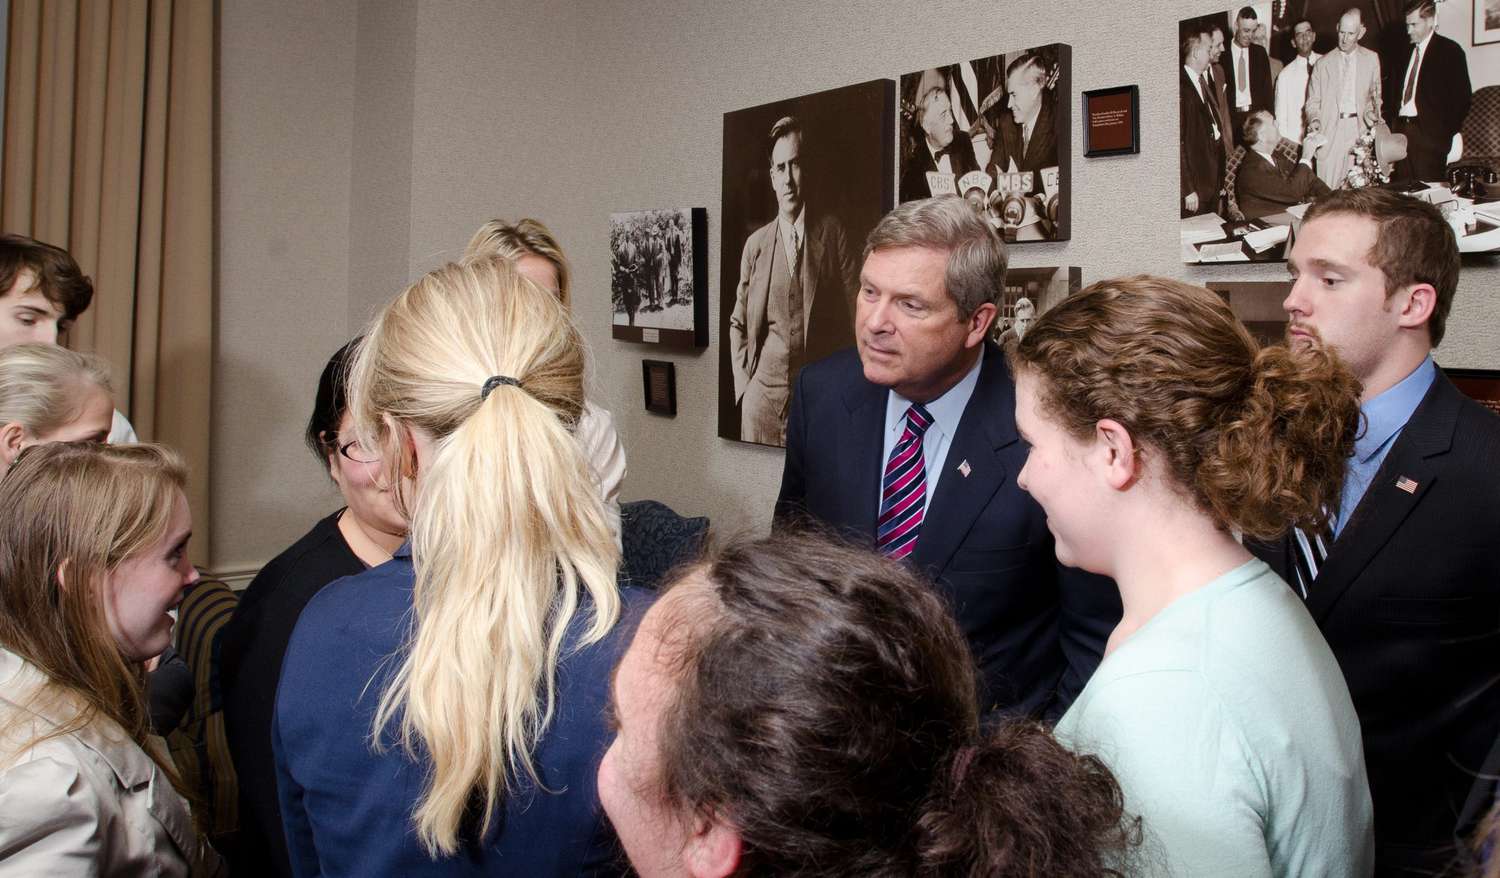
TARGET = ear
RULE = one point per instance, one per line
(62, 574)
(979, 324)
(1117, 454)
(12, 440)
(1418, 305)
(714, 849)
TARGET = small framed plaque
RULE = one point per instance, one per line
(660, 380)
(1112, 121)
(1480, 385)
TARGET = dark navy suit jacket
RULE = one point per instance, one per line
(1037, 629)
(347, 809)
(1409, 600)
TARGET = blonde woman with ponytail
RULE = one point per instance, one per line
(1158, 428)
(93, 542)
(444, 713)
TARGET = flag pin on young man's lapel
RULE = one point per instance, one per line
(965, 468)
(1407, 484)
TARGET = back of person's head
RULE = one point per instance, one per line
(509, 535)
(1256, 437)
(525, 237)
(976, 254)
(55, 273)
(823, 704)
(1413, 243)
(44, 387)
(70, 513)
(330, 403)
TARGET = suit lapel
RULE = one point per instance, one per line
(812, 256)
(1413, 459)
(860, 465)
(988, 424)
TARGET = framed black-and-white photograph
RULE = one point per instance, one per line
(1030, 293)
(1486, 22)
(997, 131)
(659, 276)
(1258, 305)
(1112, 121)
(1282, 101)
(805, 180)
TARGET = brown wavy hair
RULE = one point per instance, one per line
(1256, 437)
(826, 706)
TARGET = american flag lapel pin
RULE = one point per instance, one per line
(1407, 484)
(965, 469)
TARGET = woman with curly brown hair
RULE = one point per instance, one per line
(796, 707)
(1158, 428)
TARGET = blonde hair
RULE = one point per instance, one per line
(89, 507)
(528, 237)
(41, 386)
(507, 527)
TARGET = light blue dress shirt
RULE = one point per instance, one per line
(947, 410)
(1384, 418)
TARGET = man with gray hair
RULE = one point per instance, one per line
(791, 305)
(1343, 99)
(908, 443)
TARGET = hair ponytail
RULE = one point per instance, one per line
(1257, 437)
(1018, 803)
(1281, 457)
(507, 527)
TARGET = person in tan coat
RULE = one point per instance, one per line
(92, 556)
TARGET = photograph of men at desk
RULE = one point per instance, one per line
(1385, 93)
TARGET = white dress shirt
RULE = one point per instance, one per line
(1291, 96)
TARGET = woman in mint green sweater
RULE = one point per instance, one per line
(1159, 431)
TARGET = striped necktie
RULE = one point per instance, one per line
(1309, 551)
(903, 491)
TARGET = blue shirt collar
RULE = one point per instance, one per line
(946, 410)
(1387, 413)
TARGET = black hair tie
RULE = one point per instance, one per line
(496, 381)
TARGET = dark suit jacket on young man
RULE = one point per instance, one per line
(1037, 630)
(1200, 156)
(1262, 189)
(1409, 600)
(1442, 98)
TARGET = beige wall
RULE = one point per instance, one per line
(569, 111)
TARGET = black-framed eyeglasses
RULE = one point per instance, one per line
(351, 450)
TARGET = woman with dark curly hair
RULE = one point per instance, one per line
(1158, 428)
(796, 707)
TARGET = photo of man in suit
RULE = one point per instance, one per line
(908, 444)
(1026, 137)
(1343, 99)
(1427, 94)
(1249, 71)
(1291, 85)
(1405, 583)
(1267, 181)
(791, 305)
(1201, 129)
(934, 143)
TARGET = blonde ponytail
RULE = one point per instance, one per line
(507, 528)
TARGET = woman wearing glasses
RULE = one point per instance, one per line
(363, 534)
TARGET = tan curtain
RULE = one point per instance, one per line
(109, 150)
